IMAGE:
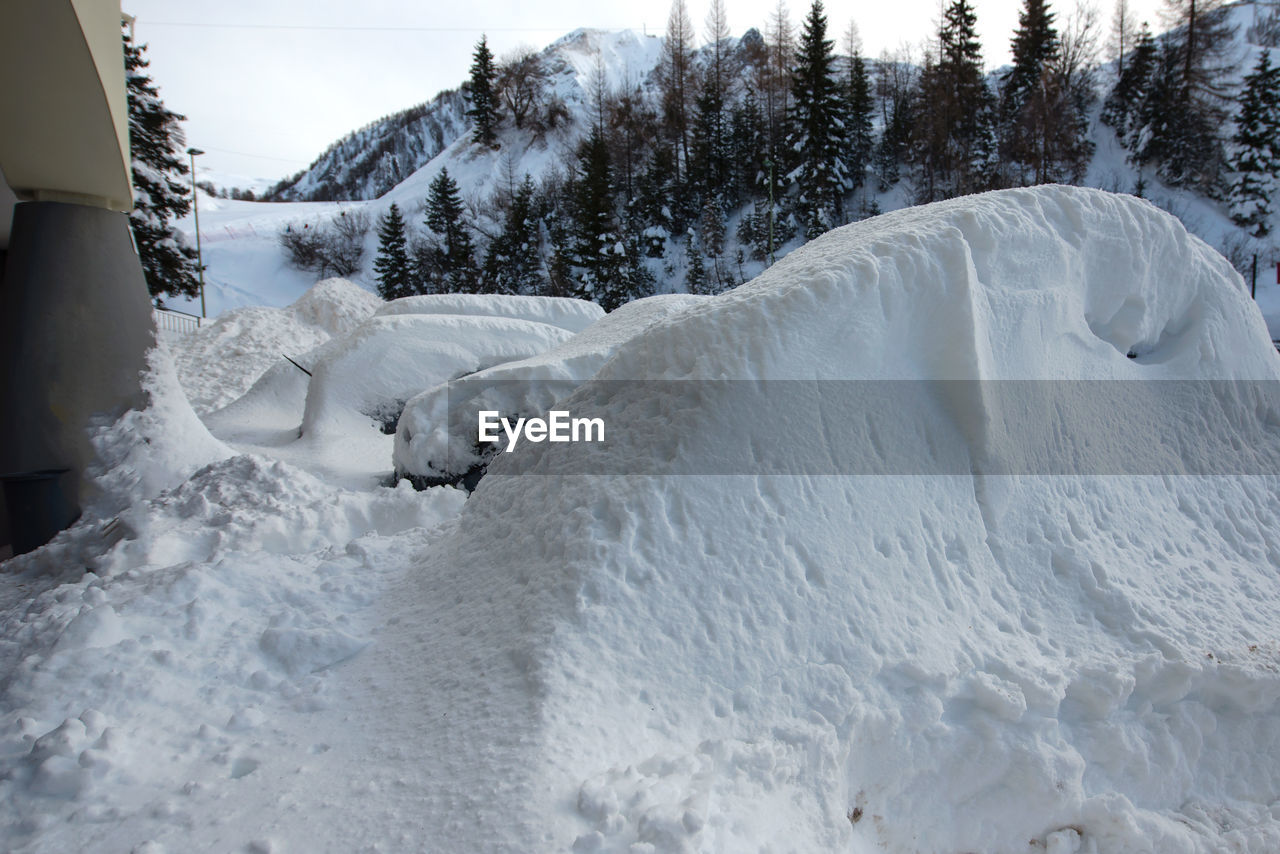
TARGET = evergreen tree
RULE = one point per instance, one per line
(451, 267)
(709, 173)
(1030, 100)
(1256, 165)
(954, 128)
(483, 104)
(395, 277)
(1173, 133)
(858, 107)
(817, 135)
(160, 193)
(695, 276)
(596, 253)
(747, 147)
(1121, 106)
(513, 264)
(1181, 128)
(606, 264)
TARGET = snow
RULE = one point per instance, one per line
(571, 314)
(339, 421)
(219, 361)
(246, 649)
(427, 448)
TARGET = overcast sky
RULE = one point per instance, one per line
(266, 85)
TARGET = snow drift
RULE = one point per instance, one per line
(335, 410)
(571, 314)
(929, 664)
(261, 659)
(428, 451)
(219, 361)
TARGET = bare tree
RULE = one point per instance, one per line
(780, 39)
(336, 248)
(677, 85)
(1123, 34)
(521, 83)
(717, 34)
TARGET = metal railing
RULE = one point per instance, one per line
(171, 320)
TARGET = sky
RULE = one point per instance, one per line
(267, 86)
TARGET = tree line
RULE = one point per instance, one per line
(779, 131)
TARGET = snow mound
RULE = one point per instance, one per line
(167, 675)
(372, 372)
(572, 314)
(221, 360)
(933, 663)
(428, 452)
(339, 420)
(335, 305)
(146, 451)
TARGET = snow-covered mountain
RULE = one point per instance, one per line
(366, 163)
(395, 160)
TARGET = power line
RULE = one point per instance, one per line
(259, 156)
(335, 28)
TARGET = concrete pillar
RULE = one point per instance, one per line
(75, 325)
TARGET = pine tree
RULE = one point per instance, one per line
(1256, 164)
(395, 277)
(596, 244)
(606, 264)
(1181, 129)
(954, 128)
(1030, 99)
(452, 268)
(513, 264)
(1172, 132)
(160, 194)
(858, 108)
(695, 276)
(1121, 106)
(709, 171)
(483, 104)
(818, 134)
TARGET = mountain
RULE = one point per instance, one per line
(556, 82)
(673, 230)
(368, 162)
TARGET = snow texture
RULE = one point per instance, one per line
(571, 314)
(427, 448)
(219, 361)
(261, 658)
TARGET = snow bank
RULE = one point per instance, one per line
(220, 361)
(178, 683)
(572, 314)
(372, 372)
(339, 421)
(928, 664)
(148, 450)
(427, 451)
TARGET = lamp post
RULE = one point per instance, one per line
(195, 203)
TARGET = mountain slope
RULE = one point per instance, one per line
(368, 162)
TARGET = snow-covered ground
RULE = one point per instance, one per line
(240, 648)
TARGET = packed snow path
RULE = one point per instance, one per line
(268, 661)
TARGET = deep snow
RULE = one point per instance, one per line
(268, 655)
